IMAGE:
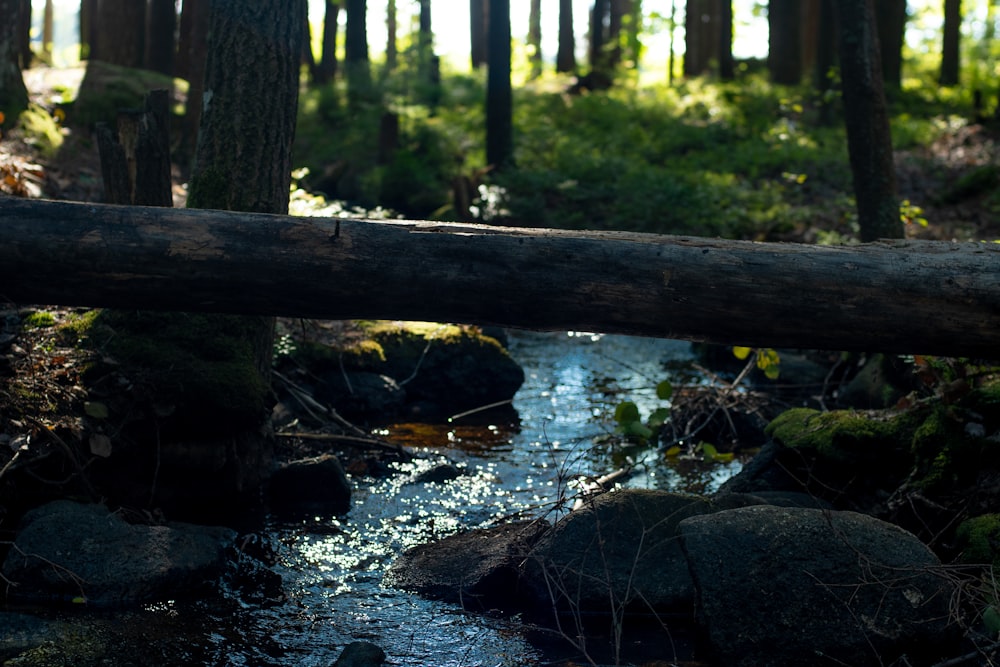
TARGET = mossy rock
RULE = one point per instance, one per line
(843, 436)
(452, 367)
(108, 88)
(979, 540)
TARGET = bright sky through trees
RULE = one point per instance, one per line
(451, 25)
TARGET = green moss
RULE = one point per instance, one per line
(39, 319)
(842, 436)
(204, 365)
(107, 88)
(41, 130)
(979, 540)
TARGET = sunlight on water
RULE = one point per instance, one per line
(333, 567)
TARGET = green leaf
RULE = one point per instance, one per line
(659, 417)
(639, 430)
(708, 450)
(96, 410)
(626, 412)
(741, 352)
(673, 451)
(664, 390)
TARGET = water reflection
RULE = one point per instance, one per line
(507, 463)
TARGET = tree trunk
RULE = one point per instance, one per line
(566, 56)
(478, 32)
(499, 97)
(391, 28)
(120, 32)
(826, 57)
(950, 59)
(23, 20)
(13, 94)
(243, 163)
(47, 29)
(701, 36)
(194, 45)
(535, 38)
(784, 53)
(160, 42)
(920, 297)
(327, 69)
(866, 115)
(727, 66)
(598, 34)
(890, 21)
(356, 64)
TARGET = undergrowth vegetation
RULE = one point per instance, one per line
(744, 159)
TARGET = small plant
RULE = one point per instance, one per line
(767, 359)
(630, 423)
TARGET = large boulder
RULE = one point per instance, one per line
(791, 586)
(67, 550)
(478, 569)
(621, 550)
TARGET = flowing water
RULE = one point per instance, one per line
(332, 568)
(528, 463)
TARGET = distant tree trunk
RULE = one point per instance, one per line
(890, 21)
(356, 49)
(535, 38)
(701, 36)
(120, 32)
(633, 38)
(24, 34)
(182, 62)
(308, 57)
(599, 16)
(478, 32)
(784, 53)
(617, 13)
(566, 56)
(391, 28)
(499, 97)
(47, 30)
(826, 57)
(161, 27)
(866, 115)
(950, 60)
(727, 66)
(13, 94)
(327, 69)
(194, 46)
(810, 34)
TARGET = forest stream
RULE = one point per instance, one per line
(332, 568)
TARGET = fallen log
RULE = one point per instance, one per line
(900, 296)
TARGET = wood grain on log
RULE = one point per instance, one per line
(901, 296)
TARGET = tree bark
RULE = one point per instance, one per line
(952, 34)
(701, 36)
(534, 41)
(13, 94)
(866, 115)
(391, 28)
(120, 32)
(327, 69)
(727, 66)
(160, 42)
(784, 53)
(890, 22)
(478, 33)
(566, 55)
(499, 96)
(921, 297)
